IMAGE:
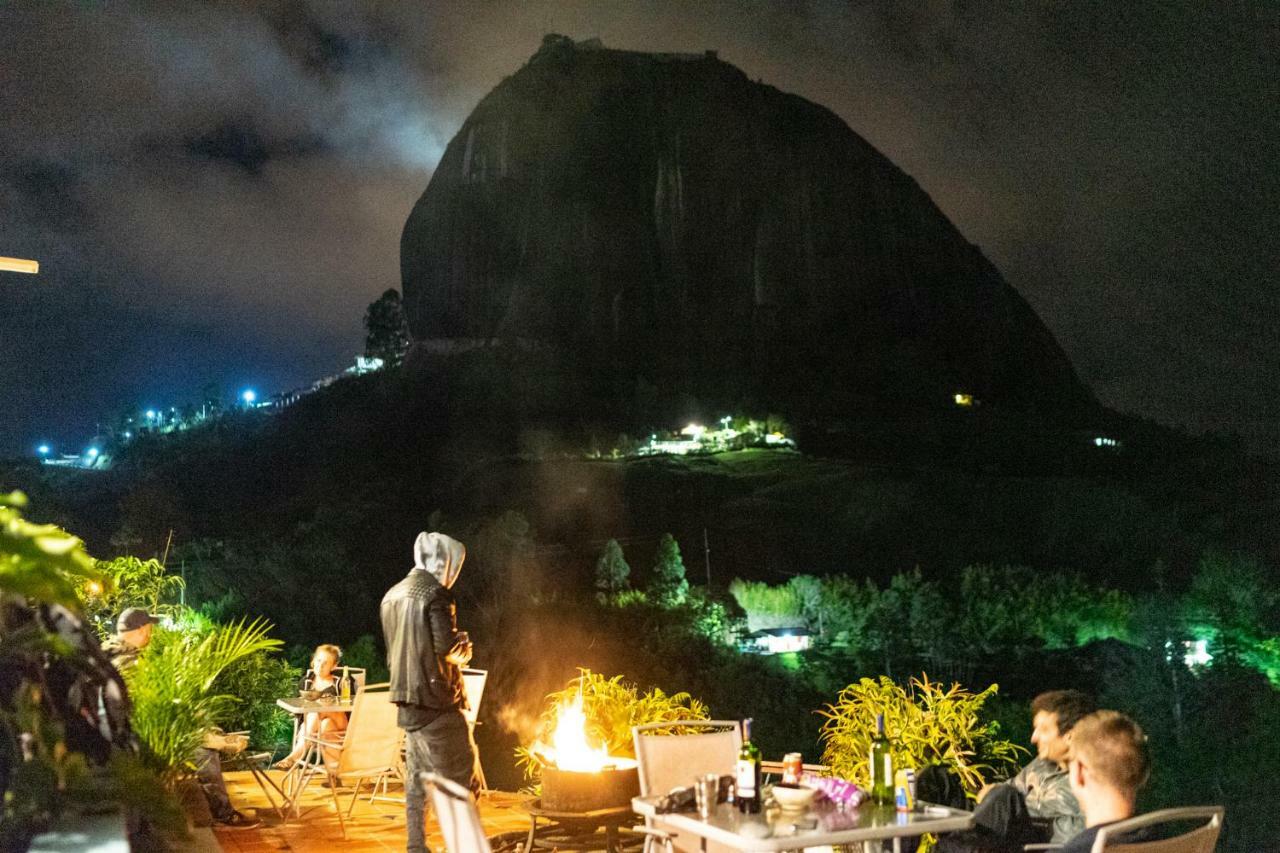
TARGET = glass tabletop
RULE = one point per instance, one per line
(820, 824)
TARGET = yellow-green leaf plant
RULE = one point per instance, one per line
(927, 723)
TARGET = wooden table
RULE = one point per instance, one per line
(820, 825)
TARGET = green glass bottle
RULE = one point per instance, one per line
(881, 765)
(747, 778)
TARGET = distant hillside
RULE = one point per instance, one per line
(312, 511)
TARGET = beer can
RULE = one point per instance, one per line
(904, 789)
(791, 768)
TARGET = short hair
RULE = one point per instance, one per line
(1114, 748)
(329, 649)
(1070, 706)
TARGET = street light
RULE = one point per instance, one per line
(43, 450)
(248, 396)
(19, 265)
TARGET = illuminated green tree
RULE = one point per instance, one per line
(612, 572)
(667, 583)
(386, 329)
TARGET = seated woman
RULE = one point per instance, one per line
(324, 725)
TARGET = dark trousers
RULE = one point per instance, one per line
(1001, 822)
(209, 772)
(443, 746)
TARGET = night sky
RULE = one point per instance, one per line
(215, 194)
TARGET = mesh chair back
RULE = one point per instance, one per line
(458, 816)
(1202, 839)
(372, 743)
(473, 682)
(669, 761)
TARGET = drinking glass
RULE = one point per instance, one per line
(706, 790)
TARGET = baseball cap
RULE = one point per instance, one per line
(134, 618)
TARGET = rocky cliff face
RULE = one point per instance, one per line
(661, 222)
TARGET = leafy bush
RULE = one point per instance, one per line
(927, 725)
(767, 606)
(611, 706)
(172, 686)
(50, 756)
(128, 582)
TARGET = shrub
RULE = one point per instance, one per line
(172, 686)
(53, 673)
(128, 582)
(927, 725)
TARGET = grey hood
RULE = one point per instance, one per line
(440, 555)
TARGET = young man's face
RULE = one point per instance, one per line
(1051, 745)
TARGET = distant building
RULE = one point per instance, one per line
(776, 641)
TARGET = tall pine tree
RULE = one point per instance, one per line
(667, 583)
(612, 572)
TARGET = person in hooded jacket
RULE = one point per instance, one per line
(425, 654)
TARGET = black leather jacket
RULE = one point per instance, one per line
(419, 626)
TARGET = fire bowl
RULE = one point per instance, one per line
(579, 791)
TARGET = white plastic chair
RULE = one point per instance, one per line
(669, 761)
(457, 814)
(369, 748)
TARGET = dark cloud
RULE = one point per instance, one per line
(216, 190)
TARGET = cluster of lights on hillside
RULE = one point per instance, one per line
(162, 421)
(696, 438)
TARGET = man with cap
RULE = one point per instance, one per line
(425, 654)
(133, 634)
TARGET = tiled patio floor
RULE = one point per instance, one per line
(371, 827)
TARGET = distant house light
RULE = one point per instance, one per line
(92, 453)
(43, 450)
(1197, 653)
(1104, 441)
(151, 414)
(249, 395)
(694, 431)
(965, 400)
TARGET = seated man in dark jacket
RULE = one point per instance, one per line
(425, 653)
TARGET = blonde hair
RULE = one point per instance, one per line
(1114, 748)
(329, 649)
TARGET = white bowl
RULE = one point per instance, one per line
(793, 798)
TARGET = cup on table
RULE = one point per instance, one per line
(706, 790)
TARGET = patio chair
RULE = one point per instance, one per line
(457, 814)
(669, 761)
(1201, 839)
(369, 748)
(473, 681)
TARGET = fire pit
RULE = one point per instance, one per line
(586, 793)
(577, 777)
(578, 791)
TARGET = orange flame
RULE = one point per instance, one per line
(569, 749)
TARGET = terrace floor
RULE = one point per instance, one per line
(371, 827)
